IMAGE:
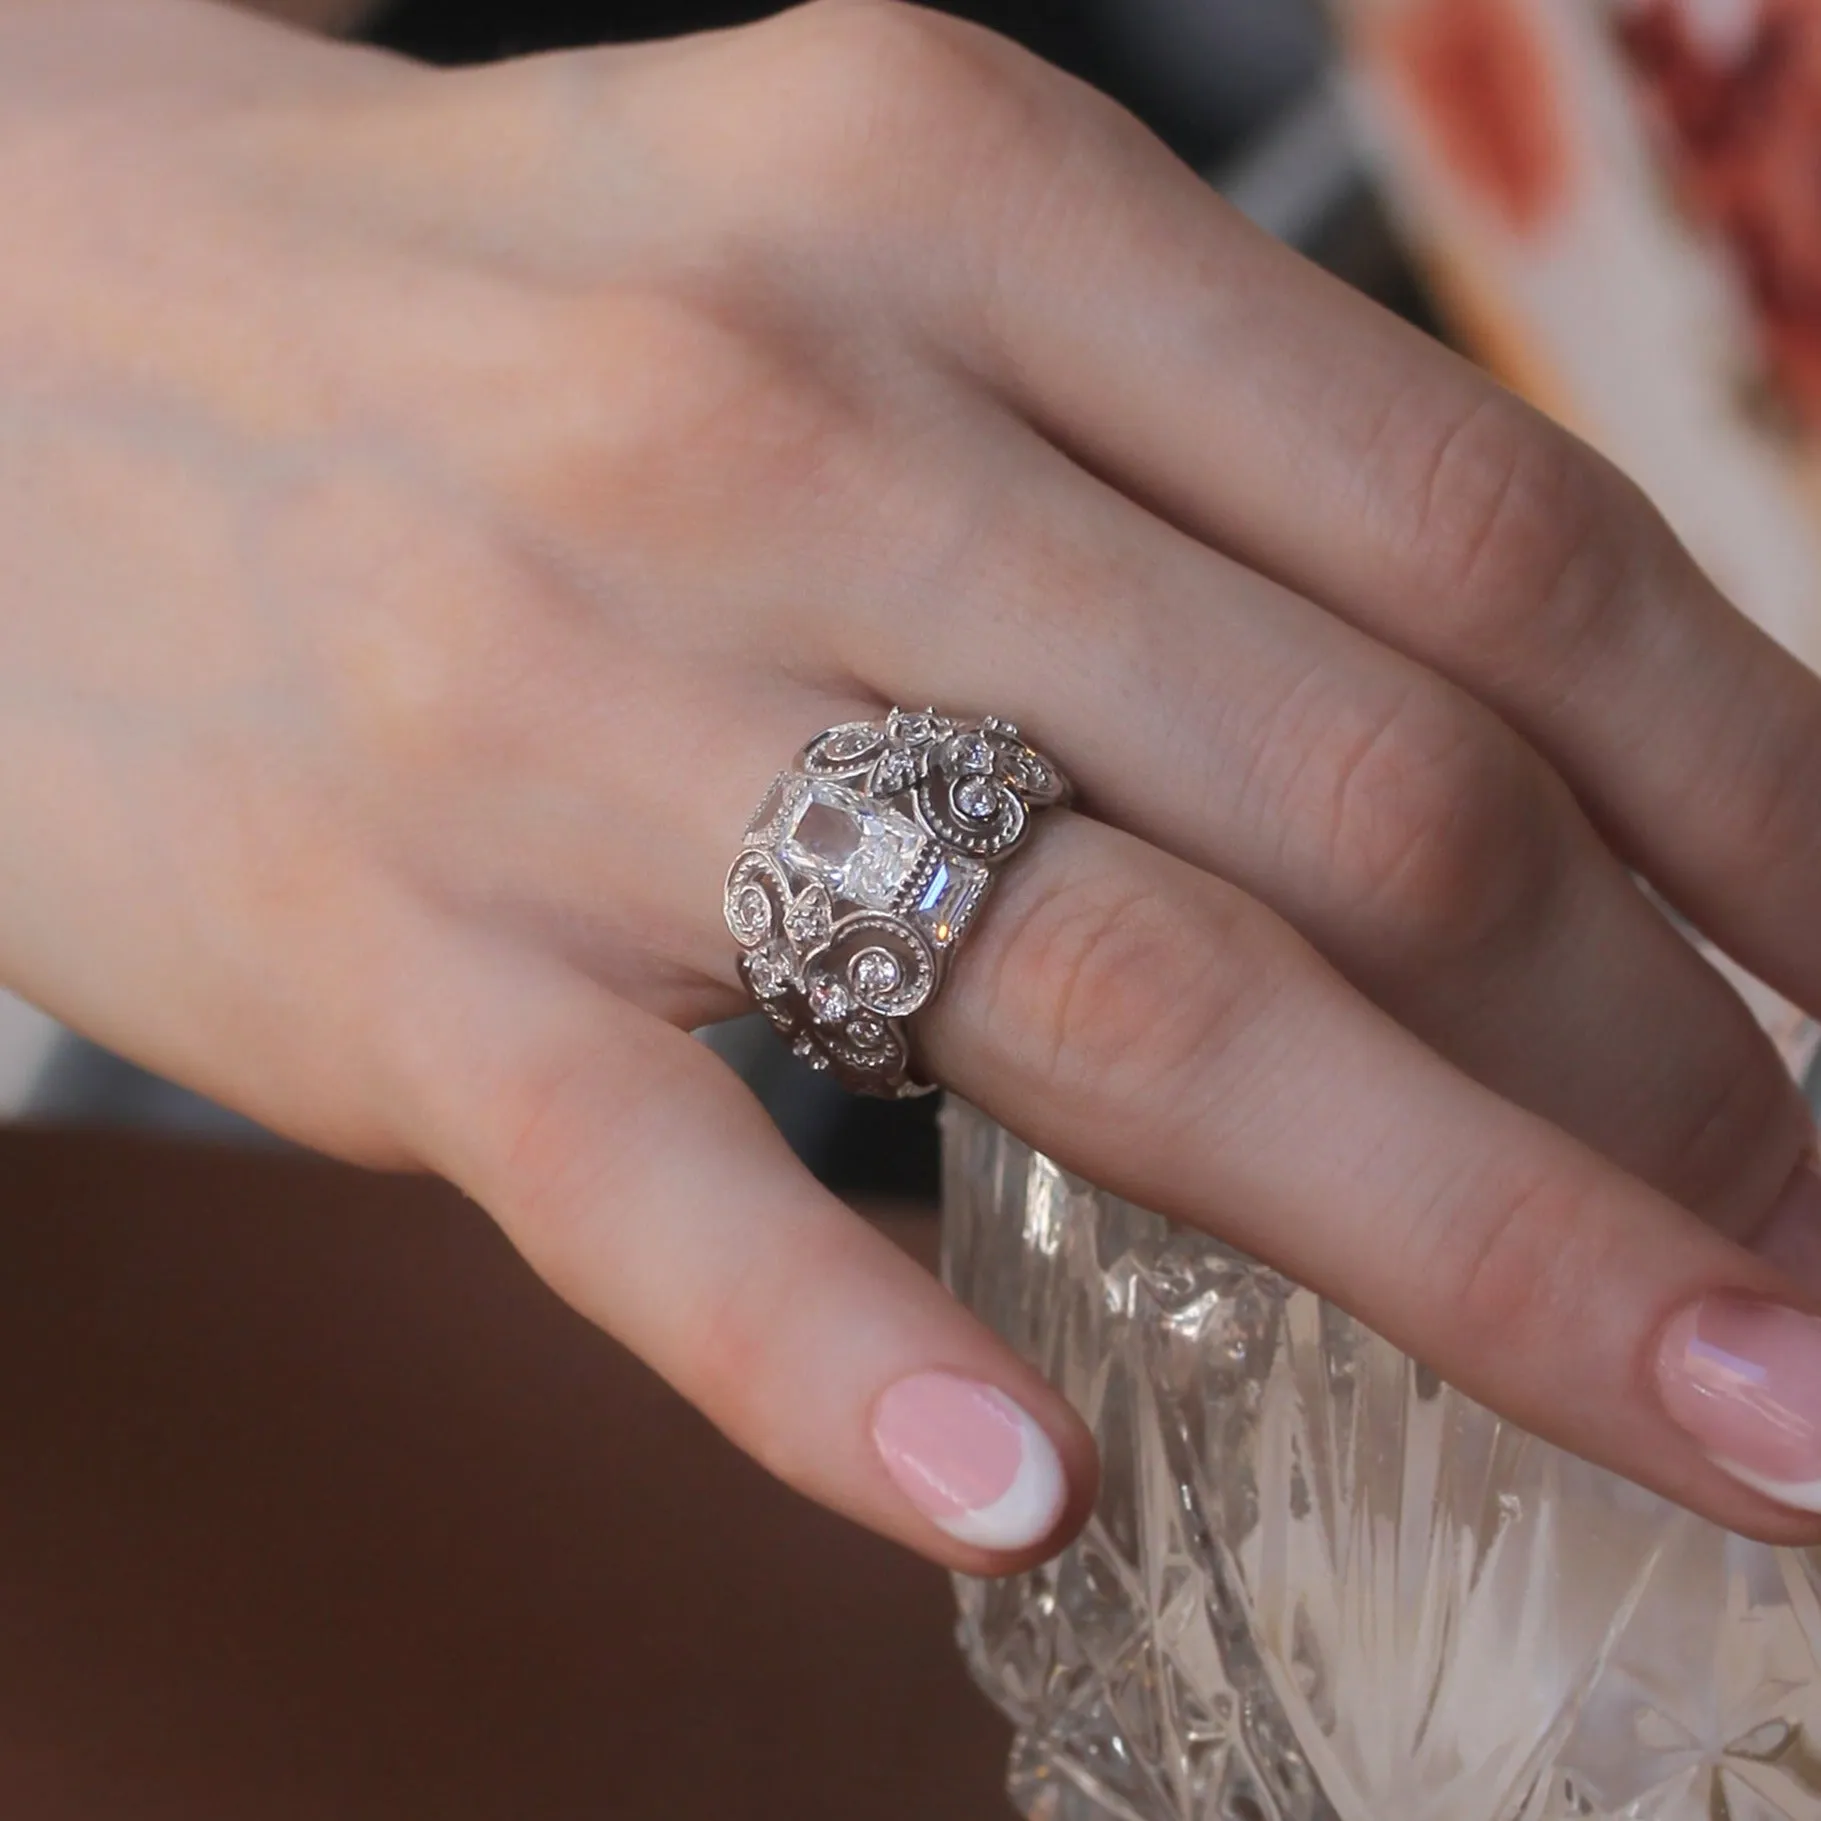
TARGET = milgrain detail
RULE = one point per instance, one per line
(863, 869)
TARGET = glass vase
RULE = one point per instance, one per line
(1319, 1583)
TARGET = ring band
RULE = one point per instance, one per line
(862, 870)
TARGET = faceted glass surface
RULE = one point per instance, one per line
(1322, 1586)
(861, 850)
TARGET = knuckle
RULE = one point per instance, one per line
(1736, 1115)
(1510, 1269)
(885, 51)
(690, 400)
(1767, 765)
(1115, 992)
(1529, 535)
(886, 99)
(1439, 826)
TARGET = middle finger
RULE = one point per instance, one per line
(1398, 824)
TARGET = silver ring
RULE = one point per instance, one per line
(862, 870)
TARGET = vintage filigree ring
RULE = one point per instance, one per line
(862, 870)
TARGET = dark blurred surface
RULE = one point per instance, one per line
(318, 1507)
(1205, 73)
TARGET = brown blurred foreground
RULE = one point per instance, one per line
(316, 1506)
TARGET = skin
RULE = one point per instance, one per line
(433, 504)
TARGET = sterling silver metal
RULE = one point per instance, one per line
(861, 871)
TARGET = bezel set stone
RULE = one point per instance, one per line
(863, 867)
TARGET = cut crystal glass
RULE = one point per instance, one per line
(860, 849)
(1320, 1585)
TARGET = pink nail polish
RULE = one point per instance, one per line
(971, 1460)
(1743, 1377)
(1791, 1237)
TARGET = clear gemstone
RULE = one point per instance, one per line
(977, 799)
(949, 898)
(915, 729)
(897, 771)
(972, 754)
(868, 1032)
(831, 1002)
(769, 974)
(861, 850)
(875, 971)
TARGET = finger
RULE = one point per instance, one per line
(647, 1186)
(1156, 1030)
(1271, 411)
(1397, 823)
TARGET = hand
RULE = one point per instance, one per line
(433, 505)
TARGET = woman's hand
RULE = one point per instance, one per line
(432, 506)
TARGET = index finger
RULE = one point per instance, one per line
(1231, 385)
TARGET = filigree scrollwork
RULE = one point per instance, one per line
(845, 751)
(1025, 769)
(884, 964)
(977, 815)
(758, 896)
(862, 870)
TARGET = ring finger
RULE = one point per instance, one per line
(1404, 829)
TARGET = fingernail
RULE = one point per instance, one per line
(1791, 1237)
(971, 1460)
(1743, 1377)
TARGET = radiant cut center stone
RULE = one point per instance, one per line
(861, 850)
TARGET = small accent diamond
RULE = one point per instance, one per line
(875, 971)
(897, 772)
(769, 973)
(972, 754)
(977, 799)
(915, 729)
(867, 1031)
(831, 1002)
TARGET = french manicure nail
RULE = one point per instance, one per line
(972, 1461)
(1743, 1377)
(1791, 1237)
